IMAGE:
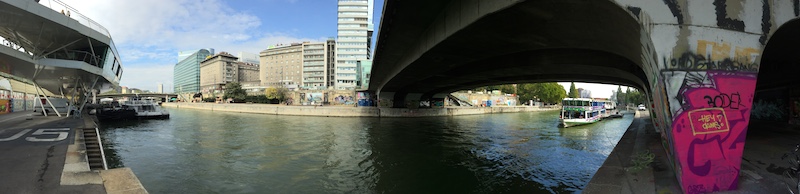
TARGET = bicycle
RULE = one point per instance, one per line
(793, 173)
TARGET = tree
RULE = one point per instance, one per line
(619, 95)
(279, 93)
(573, 93)
(234, 90)
(627, 95)
(635, 97)
(550, 93)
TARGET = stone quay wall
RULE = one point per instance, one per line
(349, 111)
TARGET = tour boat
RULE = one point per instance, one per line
(581, 111)
(136, 108)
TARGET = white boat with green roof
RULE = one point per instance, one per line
(581, 111)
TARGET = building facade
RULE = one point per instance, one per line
(364, 72)
(315, 62)
(223, 68)
(331, 64)
(186, 74)
(282, 66)
(354, 32)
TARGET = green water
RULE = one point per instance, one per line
(199, 151)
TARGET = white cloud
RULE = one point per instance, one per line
(148, 76)
(149, 32)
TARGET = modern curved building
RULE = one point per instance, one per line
(187, 72)
(57, 48)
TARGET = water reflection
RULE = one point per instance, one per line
(214, 152)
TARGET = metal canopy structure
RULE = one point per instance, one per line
(62, 51)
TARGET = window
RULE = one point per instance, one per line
(352, 13)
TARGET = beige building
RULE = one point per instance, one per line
(282, 65)
(218, 70)
(299, 65)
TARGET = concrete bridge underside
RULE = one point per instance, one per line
(698, 61)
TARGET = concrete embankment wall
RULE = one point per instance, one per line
(343, 111)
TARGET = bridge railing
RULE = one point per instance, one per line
(65, 9)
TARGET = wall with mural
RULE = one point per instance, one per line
(5, 106)
(331, 97)
(701, 60)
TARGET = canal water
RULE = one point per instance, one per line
(197, 151)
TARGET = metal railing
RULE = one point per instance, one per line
(76, 55)
(62, 7)
(102, 152)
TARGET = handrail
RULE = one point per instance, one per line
(102, 153)
(80, 17)
(78, 55)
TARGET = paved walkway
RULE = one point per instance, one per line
(760, 171)
(33, 152)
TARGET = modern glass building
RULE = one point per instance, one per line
(186, 74)
(364, 72)
(354, 33)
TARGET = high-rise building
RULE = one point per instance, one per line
(186, 74)
(331, 64)
(223, 68)
(315, 62)
(160, 88)
(354, 33)
(282, 66)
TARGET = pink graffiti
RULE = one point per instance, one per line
(709, 137)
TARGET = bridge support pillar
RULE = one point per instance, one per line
(412, 100)
(385, 99)
(704, 111)
(438, 100)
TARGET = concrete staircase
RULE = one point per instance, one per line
(94, 149)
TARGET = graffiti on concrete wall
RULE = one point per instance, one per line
(346, 100)
(709, 130)
(715, 56)
(774, 110)
(708, 93)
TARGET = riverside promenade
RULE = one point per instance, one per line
(350, 111)
(760, 171)
(48, 155)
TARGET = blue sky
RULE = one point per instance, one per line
(149, 33)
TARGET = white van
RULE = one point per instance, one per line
(61, 105)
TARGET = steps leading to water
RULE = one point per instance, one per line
(94, 149)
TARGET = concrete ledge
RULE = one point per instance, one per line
(76, 166)
(613, 176)
(80, 178)
(343, 111)
(121, 180)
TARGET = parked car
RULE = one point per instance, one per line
(641, 107)
(61, 105)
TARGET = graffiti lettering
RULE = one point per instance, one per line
(796, 7)
(765, 25)
(732, 101)
(723, 21)
(691, 62)
(708, 120)
(696, 189)
(676, 10)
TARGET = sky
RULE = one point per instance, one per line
(149, 33)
